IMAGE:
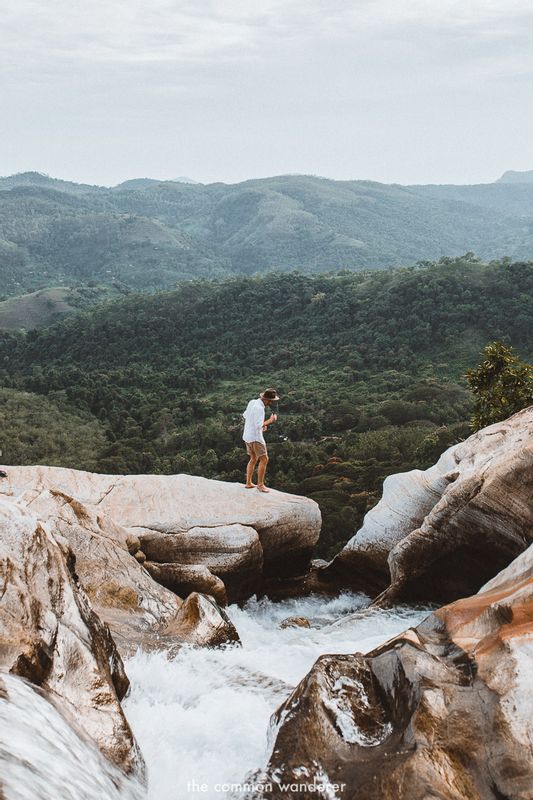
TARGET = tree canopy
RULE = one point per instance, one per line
(502, 385)
(370, 367)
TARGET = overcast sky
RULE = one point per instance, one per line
(408, 91)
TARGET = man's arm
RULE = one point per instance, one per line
(270, 421)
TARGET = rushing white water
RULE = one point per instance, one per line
(43, 757)
(202, 719)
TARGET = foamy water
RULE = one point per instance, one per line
(202, 719)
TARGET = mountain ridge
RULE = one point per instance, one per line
(37, 177)
(151, 235)
(516, 176)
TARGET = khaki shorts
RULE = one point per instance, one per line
(256, 449)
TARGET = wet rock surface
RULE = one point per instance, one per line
(50, 635)
(443, 710)
(200, 621)
(121, 591)
(45, 754)
(295, 622)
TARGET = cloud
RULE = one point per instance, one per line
(184, 31)
(391, 89)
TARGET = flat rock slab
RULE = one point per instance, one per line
(173, 503)
(240, 535)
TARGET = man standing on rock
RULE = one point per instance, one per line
(254, 427)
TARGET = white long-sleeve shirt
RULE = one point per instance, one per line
(254, 419)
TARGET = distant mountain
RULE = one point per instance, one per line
(507, 199)
(42, 180)
(512, 176)
(137, 183)
(39, 179)
(148, 234)
(146, 183)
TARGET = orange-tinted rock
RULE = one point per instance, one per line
(120, 590)
(295, 622)
(202, 622)
(442, 711)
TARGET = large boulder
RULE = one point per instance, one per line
(120, 590)
(50, 635)
(200, 621)
(441, 711)
(231, 554)
(185, 579)
(241, 536)
(442, 533)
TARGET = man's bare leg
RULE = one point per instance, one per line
(261, 471)
(250, 472)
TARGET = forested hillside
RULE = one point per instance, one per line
(147, 235)
(369, 365)
(40, 308)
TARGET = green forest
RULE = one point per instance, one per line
(370, 367)
(147, 234)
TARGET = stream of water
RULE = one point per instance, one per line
(202, 719)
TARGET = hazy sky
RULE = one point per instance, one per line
(405, 91)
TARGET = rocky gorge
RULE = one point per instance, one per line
(440, 534)
(95, 567)
(79, 593)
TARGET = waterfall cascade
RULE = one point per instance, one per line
(202, 719)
